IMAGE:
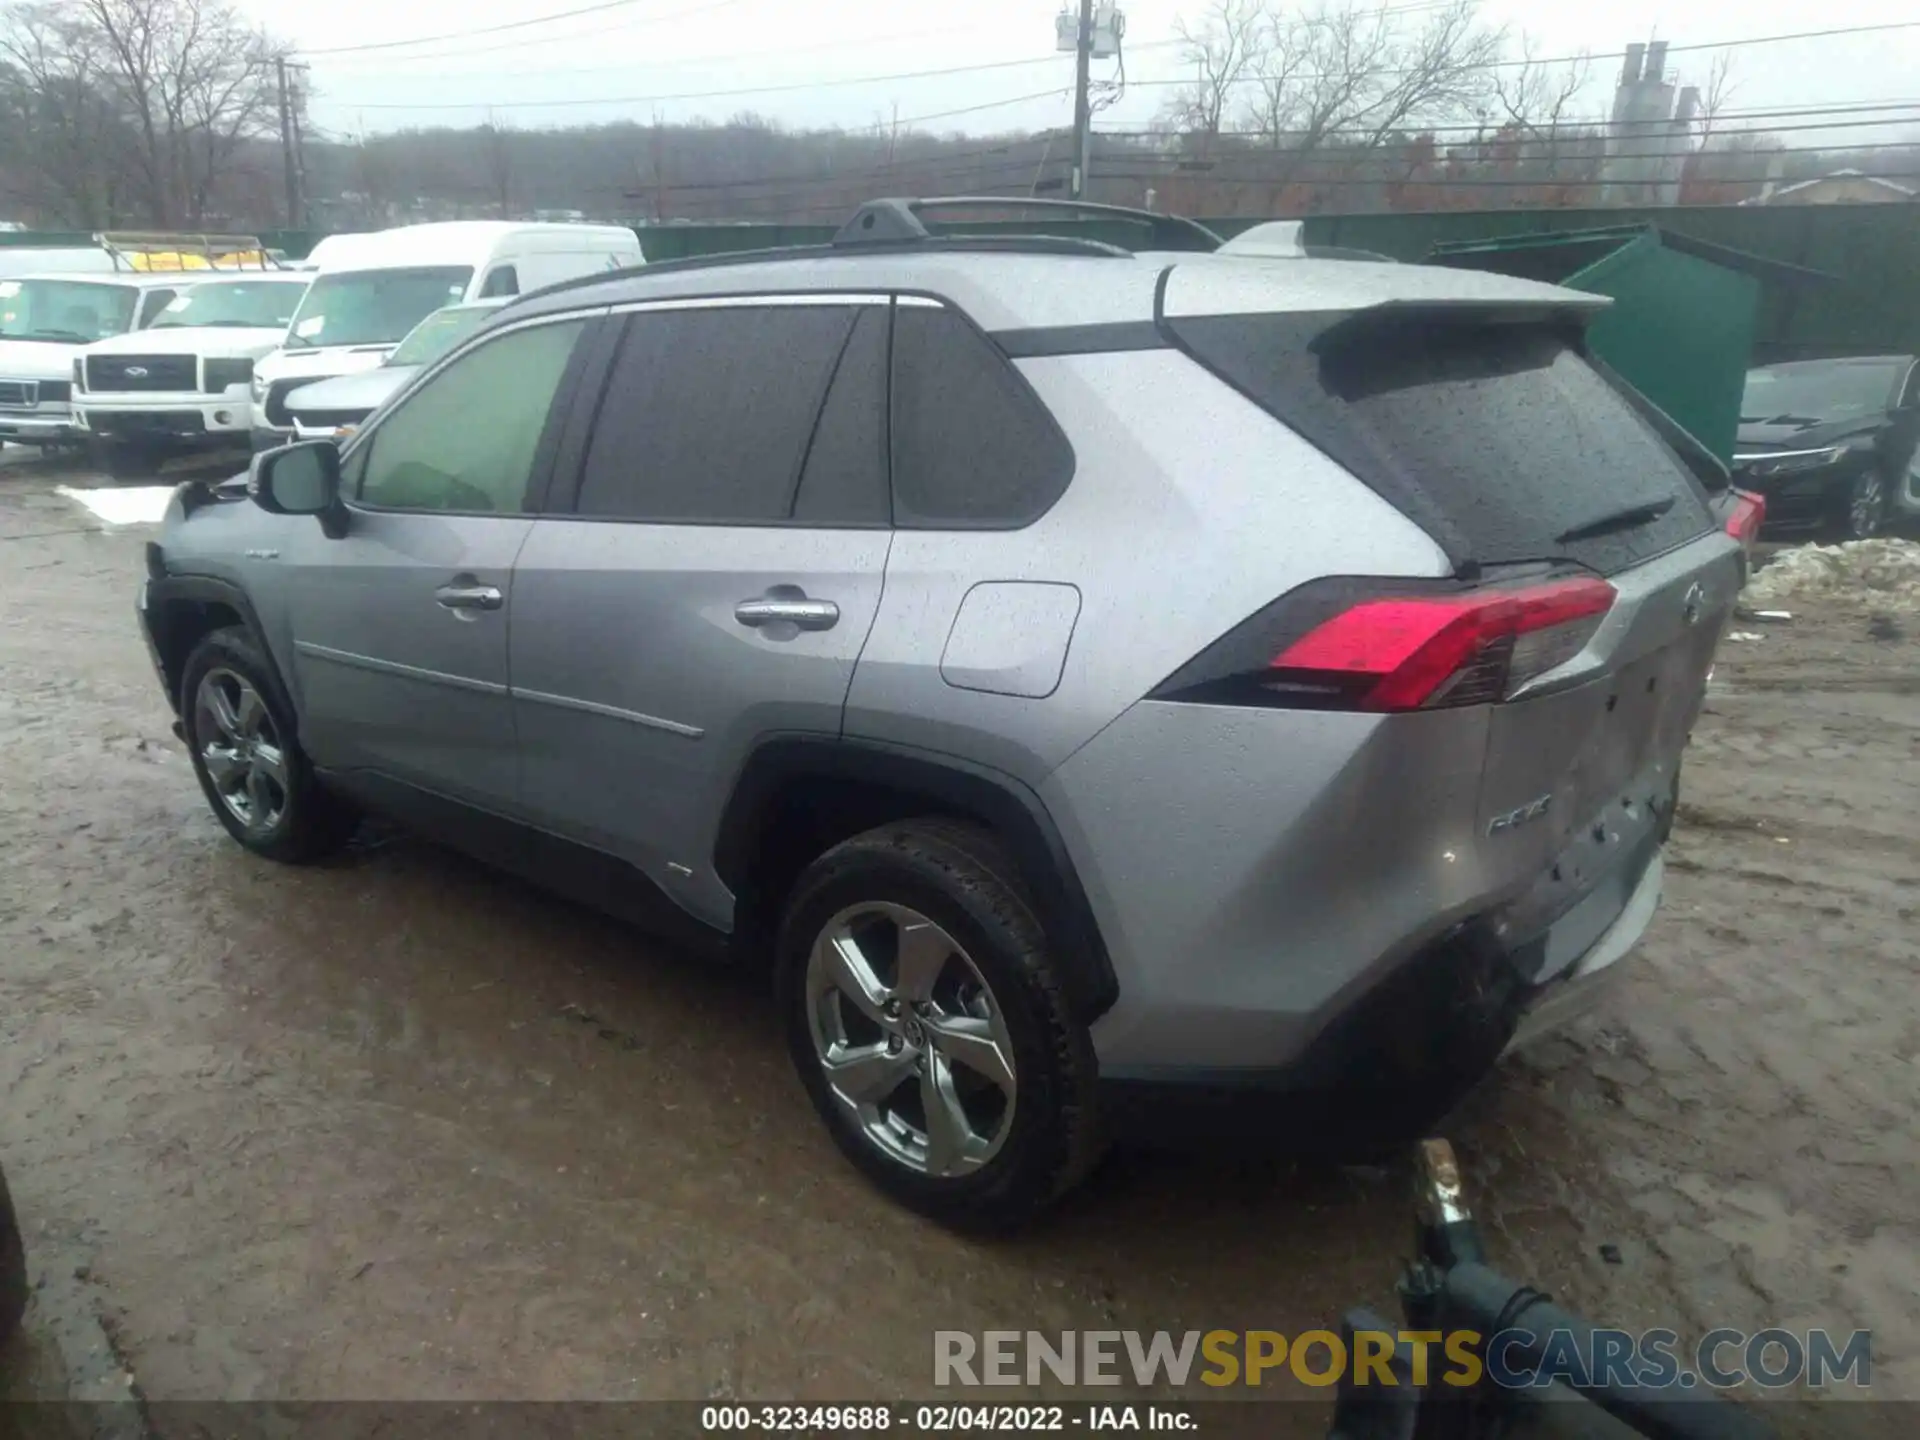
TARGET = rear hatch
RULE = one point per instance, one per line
(1590, 580)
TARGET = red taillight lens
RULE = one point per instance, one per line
(1416, 652)
(1749, 512)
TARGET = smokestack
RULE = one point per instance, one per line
(1656, 59)
(1688, 107)
(1632, 72)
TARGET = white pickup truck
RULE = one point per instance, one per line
(184, 381)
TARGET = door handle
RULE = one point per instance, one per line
(470, 597)
(803, 614)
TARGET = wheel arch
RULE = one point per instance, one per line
(797, 796)
(182, 610)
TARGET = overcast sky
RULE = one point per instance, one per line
(626, 61)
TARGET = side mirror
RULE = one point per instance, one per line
(301, 479)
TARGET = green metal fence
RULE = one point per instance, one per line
(1873, 250)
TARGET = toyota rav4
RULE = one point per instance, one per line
(1130, 694)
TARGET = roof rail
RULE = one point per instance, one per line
(898, 221)
(162, 251)
(947, 244)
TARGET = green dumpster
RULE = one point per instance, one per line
(1684, 313)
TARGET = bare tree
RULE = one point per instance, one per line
(1224, 50)
(164, 93)
(1536, 103)
(64, 131)
(1357, 76)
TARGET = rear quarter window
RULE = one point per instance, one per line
(973, 447)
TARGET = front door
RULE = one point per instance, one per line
(716, 581)
(400, 627)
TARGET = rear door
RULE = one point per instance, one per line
(400, 627)
(716, 580)
(1477, 416)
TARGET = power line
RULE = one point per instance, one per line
(746, 90)
(627, 69)
(605, 5)
(572, 101)
(1582, 58)
(1481, 127)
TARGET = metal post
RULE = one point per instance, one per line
(1082, 103)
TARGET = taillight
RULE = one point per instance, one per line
(1749, 513)
(1400, 651)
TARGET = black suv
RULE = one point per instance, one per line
(1829, 442)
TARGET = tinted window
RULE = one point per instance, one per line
(845, 478)
(972, 446)
(708, 414)
(466, 440)
(1499, 439)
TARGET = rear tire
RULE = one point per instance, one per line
(252, 770)
(991, 1114)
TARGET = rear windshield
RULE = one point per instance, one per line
(1497, 438)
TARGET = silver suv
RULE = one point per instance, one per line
(1143, 695)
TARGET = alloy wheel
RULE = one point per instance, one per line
(910, 1038)
(241, 749)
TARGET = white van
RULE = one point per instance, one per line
(46, 322)
(184, 381)
(370, 290)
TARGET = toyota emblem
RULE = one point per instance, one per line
(136, 372)
(1695, 602)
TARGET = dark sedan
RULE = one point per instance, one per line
(1828, 442)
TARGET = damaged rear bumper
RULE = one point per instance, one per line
(1409, 1050)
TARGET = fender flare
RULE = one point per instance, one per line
(1016, 814)
(165, 592)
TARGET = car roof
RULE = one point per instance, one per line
(447, 243)
(1004, 288)
(139, 279)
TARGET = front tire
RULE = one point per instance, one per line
(251, 768)
(926, 1015)
(129, 460)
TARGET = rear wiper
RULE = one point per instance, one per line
(1618, 520)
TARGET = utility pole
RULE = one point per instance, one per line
(290, 143)
(1082, 102)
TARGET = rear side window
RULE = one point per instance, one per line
(844, 481)
(973, 447)
(708, 414)
(1498, 439)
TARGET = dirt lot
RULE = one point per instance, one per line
(398, 1128)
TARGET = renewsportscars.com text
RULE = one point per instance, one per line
(1771, 1359)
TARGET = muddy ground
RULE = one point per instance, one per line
(395, 1127)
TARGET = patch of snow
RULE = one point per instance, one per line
(1883, 573)
(123, 504)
